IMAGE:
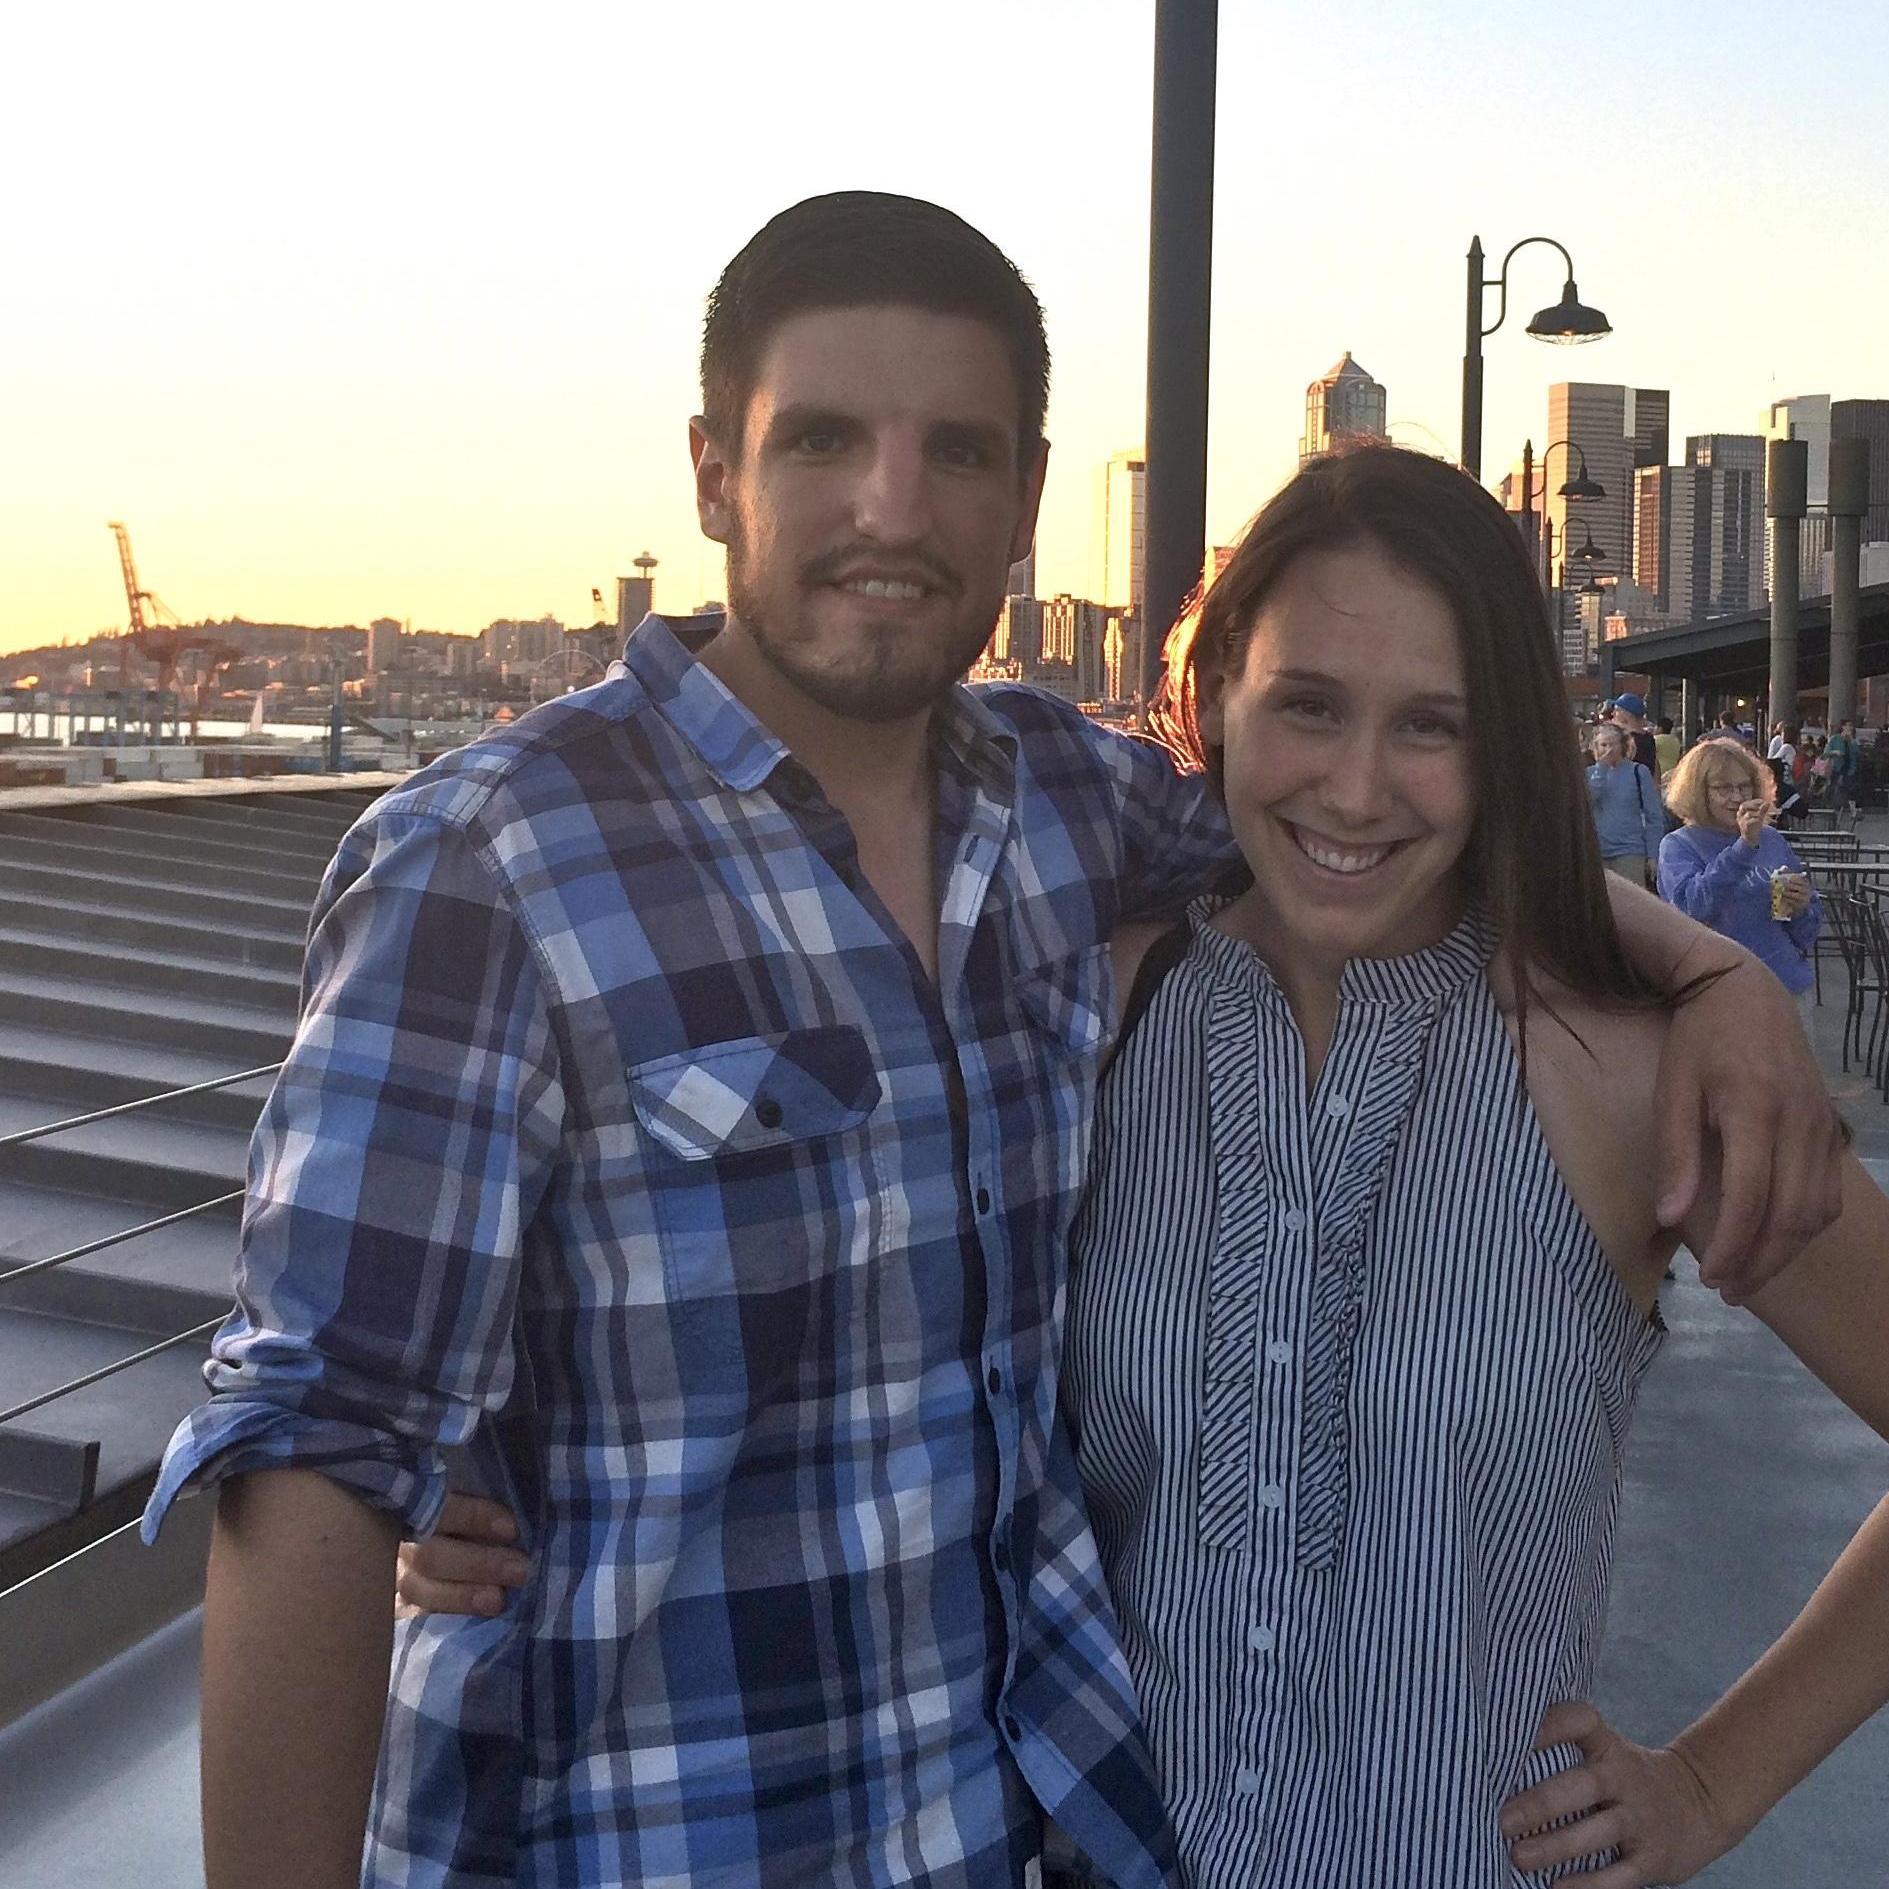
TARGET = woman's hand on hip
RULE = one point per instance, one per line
(466, 1564)
(1648, 1806)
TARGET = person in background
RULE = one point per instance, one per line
(1781, 757)
(1628, 820)
(1629, 716)
(1667, 746)
(1841, 756)
(1720, 864)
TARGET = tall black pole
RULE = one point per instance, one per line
(1472, 365)
(1180, 280)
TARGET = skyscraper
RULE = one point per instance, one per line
(1807, 417)
(1616, 430)
(1737, 519)
(1868, 419)
(1124, 531)
(1698, 533)
(1343, 403)
(1022, 579)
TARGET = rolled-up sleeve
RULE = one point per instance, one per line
(403, 1151)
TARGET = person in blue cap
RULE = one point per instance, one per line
(1629, 716)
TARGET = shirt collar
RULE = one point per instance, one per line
(741, 753)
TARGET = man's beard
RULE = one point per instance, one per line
(891, 672)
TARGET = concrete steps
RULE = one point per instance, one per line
(145, 947)
(31, 840)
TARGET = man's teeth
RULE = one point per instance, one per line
(1338, 858)
(884, 587)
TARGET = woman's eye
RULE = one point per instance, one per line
(1433, 727)
(819, 444)
(1307, 705)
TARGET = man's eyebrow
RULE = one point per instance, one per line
(805, 417)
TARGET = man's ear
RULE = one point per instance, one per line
(1033, 475)
(714, 509)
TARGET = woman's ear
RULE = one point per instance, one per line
(1209, 715)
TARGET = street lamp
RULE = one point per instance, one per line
(1569, 322)
(1576, 487)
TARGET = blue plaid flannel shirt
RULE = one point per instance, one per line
(625, 1140)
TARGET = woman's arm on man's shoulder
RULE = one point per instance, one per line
(1737, 1069)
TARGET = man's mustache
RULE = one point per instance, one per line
(906, 567)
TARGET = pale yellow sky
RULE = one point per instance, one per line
(392, 310)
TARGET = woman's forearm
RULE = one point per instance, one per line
(1825, 1675)
(297, 1636)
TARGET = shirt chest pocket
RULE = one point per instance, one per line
(758, 1172)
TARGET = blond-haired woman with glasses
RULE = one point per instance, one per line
(1729, 867)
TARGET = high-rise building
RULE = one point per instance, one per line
(1022, 579)
(1343, 403)
(1738, 519)
(1868, 419)
(636, 597)
(1071, 627)
(1616, 430)
(1807, 417)
(1649, 425)
(1696, 548)
(383, 645)
(510, 640)
(1124, 531)
(1018, 636)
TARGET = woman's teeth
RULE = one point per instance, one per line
(1348, 859)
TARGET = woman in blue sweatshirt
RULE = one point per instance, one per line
(1628, 819)
(1718, 867)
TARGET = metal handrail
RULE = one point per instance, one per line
(127, 1108)
(110, 1370)
(116, 1239)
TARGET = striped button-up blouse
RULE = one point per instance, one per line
(1348, 1376)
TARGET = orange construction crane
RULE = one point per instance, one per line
(157, 635)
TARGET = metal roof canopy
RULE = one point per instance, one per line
(1732, 655)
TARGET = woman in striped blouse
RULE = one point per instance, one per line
(1364, 1285)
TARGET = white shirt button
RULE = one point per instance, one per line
(1279, 1352)
(1272, 1496)
(1260, 1639)
(1246, 1781)
(1337, 1108)
(1295, 1220)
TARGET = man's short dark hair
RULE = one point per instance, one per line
(857, 249)
(1665, 724)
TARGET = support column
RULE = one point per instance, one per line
(1786, 489)
(1180, 285)
(1849, 500)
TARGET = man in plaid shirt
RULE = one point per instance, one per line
(690, 1098)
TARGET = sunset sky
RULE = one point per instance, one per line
(392, 310)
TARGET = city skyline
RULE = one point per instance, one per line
(412, 338)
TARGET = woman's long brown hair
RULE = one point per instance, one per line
(1532, 863)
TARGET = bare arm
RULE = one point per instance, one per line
(1672, 1811)
(1829, 1671)
(1780, 1161)
(297, 1637)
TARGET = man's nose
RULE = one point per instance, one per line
(892, 503)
